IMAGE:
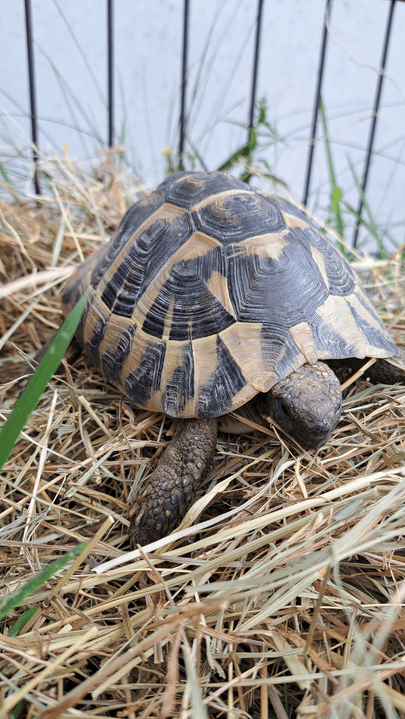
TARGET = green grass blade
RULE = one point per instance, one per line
(21, 622)
(263, 130)
(244, 151)
(5, 176)
(15, 713)
(14, 600)
(36, 386)
(336, 194)
(371, 225)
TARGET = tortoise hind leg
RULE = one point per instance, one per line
(388, 371)
(171, 489)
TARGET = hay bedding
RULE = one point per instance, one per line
(292, 604)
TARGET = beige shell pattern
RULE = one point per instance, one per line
(211, 291)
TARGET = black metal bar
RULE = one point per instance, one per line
(318, 94)
(186, 13)
(33, 102)
(255, 66)
(110, 52)
(375, 116)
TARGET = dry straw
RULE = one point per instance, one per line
(282, 593)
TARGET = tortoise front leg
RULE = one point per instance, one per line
(171, 489)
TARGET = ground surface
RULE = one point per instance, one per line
(285, 598)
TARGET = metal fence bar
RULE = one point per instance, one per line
(315, 111)
(110, 52)
(33, 102)
(375, 117)
(255, 66)
(186, 13)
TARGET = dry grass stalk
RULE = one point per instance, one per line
(285, 598)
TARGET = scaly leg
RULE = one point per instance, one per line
(171, 489)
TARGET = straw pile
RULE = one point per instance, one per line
(283, 599)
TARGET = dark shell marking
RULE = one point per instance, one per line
(210, 292)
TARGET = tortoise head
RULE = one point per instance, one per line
(306, 404)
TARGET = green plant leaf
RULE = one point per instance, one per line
(14, 600)
(5, 176)
(36, 386)
(21, 621)
(371, 225)
(335, 219)
(244, 151)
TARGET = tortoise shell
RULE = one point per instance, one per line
(211, 291)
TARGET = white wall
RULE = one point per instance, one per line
(148, 36)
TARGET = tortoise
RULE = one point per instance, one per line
(208, 294)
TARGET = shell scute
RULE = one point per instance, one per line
(178, 388)
(113, 357)
(279, 349)
(378, 340)
(218, 392)
(140, 261)
(291, 212)
(232, 217)
(195, 311)
(340, 276)
(142, 382)
(257, 284)
(133, 220)
(185, 189)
